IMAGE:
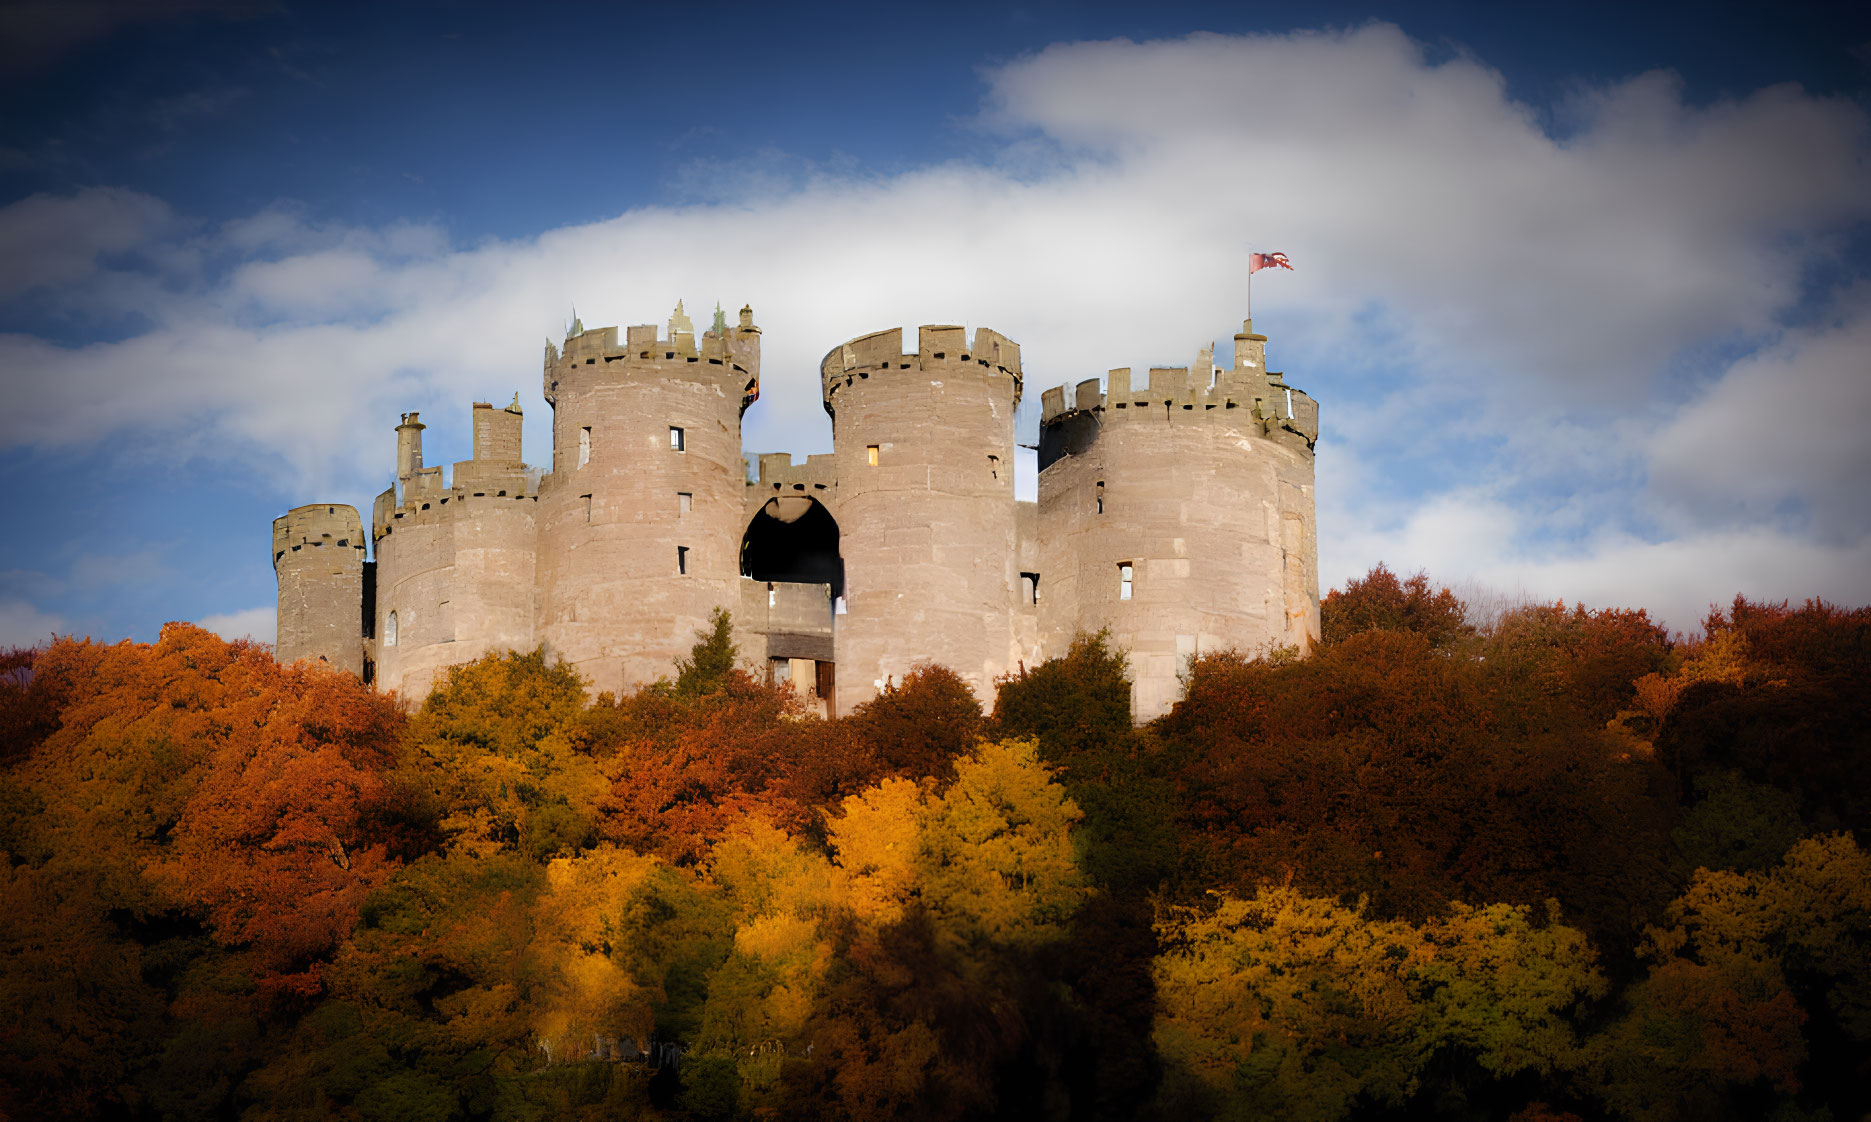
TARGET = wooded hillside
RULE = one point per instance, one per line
(1554, 864)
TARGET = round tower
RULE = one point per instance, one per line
(640, 521)
(413, 526)
(924, 463)
(318, 557)
(454, 560)
(1177, 512)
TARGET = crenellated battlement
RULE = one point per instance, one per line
(938, 348)
(731, 351)
(1174, 513)
(496, 472)
(1172, 389)
(331, 529)
(778, 474)
(443, 505)
(1168, 392)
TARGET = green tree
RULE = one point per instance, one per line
(1075, 704)
(711, 662)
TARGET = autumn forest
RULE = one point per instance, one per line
(1538, 863)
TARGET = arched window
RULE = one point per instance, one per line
(389, 631)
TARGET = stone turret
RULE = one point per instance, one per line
(455, 557)
(318, 558)
(641, 516)
(924, 462)
(1177, 511)
(409, 446)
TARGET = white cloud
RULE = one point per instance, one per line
(247, 623)
(50, 241)
(23, 625)
(1462, 275)
(1474, 537)
(1786, 427)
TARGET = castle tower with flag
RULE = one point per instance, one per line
(1175, 512)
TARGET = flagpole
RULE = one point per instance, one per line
(1250, 285)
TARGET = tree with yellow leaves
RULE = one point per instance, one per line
(590, 997)
(1745, 962)
(952, 893)
(989, 859)
(501, 740)
(1290, 1006)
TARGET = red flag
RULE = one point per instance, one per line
(1258, 261)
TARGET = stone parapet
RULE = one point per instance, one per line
(1166, 390)
(1175, 511)
(939, 348)
(319, 561)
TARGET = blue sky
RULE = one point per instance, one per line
(1582, 288)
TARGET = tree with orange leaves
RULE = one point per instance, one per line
(1378, 601)
(187, 782)
(280, 842)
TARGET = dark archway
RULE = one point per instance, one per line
(793, 539)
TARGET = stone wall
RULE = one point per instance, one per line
(924, 456)
(1200, 483)
(639, 537)
(1199, 479)
(318, 558)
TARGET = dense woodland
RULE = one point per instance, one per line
(1545, 865)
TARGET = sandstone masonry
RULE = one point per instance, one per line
(1175, 511)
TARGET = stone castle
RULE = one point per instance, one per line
(1175, 511)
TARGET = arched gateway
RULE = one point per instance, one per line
(793, 578)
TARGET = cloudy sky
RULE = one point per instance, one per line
(1584, 290)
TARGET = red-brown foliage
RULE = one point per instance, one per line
(1385, 766)
(917, 729)
(1816, 638)
(1582, 663)
(1381, 602)
(242, 790)
(685, 769)
(281, 841)
(1798, 718)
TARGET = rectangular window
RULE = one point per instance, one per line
(1123, 581)
(871, 453)
(586, 499)
(682, 560)
(1100, 496)
(993, 466)
(685, 501)
(1029, 587)
(677, 442)
(584, 446)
